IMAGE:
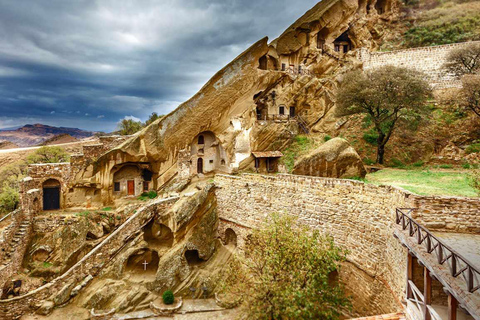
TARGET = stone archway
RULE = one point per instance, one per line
(51, 194)
(142, 264)
(230, 237)
(193, 258)
(158, 234)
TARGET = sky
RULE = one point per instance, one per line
(89, 64)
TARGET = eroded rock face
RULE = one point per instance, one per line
(335, 158)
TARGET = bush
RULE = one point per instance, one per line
(9, 198)
(466, 165)
(326, 138)
(397, 163)
(48, 155)
(474, 180)
(168, 297)
(368, 161)
(473, 148)
(419, 163)
(371, 137)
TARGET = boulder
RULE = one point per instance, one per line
(335, 158)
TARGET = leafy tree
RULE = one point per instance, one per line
(470, 93)
(48, 154)
(464, 60)
(9, 198)
(474, 179)
(153, 117)
(129, 126)
(385, 95)
(286, 273)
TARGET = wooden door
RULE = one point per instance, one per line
(51, 198)
(200, 165)
(131, 187)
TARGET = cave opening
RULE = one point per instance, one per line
(193, 258)
(143, 263)
(158, 234)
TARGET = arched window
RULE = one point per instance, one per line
(201, 139)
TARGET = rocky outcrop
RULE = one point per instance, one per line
(335, 158)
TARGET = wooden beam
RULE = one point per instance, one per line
(427, 293)
(452, 307)
(409, 274)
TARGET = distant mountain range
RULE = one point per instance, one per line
(36, 134)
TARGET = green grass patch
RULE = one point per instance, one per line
(46, 264)
(301, 145)
(107, 209)
(148, 195)
(83, 214)
(473, 148)
(426, 182)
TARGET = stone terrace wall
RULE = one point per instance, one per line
(449, 214)
(428, 60)
(60, 288)
(360, 217)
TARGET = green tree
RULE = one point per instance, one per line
(464, 60)
(286, 273)
(48, 154)
(9, 198)
(153, 117)
(386, 95)
(129, 126)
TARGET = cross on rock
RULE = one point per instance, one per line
(145, 265)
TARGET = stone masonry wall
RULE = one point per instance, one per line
(360, 218)
(429, 60)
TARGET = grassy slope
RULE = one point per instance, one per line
(435, 22)
(426, 182)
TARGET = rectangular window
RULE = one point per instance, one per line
(145, 185)
(337, 48)
(284, 66)
(281, 110)
(116, 186)
(345, 48)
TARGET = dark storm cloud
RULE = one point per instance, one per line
(90, 63)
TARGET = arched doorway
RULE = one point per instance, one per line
(230, 237)
(51, 194)
(200, 165)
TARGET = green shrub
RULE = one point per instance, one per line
(419, 163)
(148, 195)
(168, 297)
(82, 214)
(473, 148)
(466, 165)
(474, 181)
(397, 163)
(368, 161)
(371, 137)
(446, 166)
(326, 138)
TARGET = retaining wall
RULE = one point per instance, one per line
(429, 60)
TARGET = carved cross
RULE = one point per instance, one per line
(145, 265)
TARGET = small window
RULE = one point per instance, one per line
(345, 48)
(145, 185)
(211, 161)
(337, 48)
(70, 190)
(281, 110)
(116, 186)
(201, 139)
(223, 162)
(284, 66)
(299, 69)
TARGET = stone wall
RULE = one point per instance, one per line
(60, 289)
(360, 218)
(428, 60)
(449, 214)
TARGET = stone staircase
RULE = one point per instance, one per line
(16, 240)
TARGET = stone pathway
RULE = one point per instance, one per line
(468, 245)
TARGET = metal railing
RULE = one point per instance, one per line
(458, 265)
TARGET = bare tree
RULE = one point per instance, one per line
(464, 60)
(385, 95)
(470, 93)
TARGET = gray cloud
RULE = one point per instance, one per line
(90, 63)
